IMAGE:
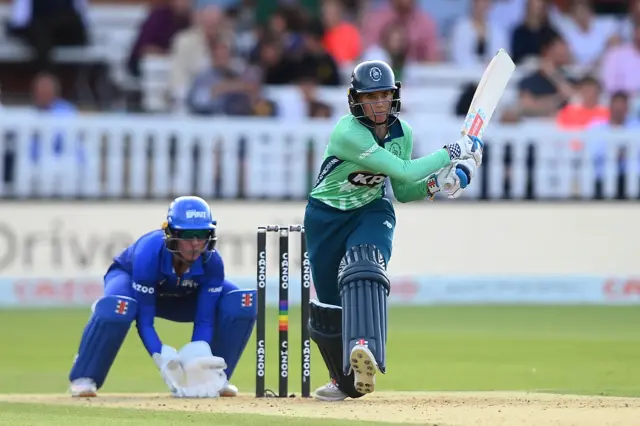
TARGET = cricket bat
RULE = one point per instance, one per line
(486, 97)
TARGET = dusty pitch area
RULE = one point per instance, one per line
(441, 408)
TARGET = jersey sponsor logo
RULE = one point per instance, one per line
(187, 283)
(192, 214)
(215, 290)
(327, 167)
(366, 179)
(143, 288)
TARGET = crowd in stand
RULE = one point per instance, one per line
(585, 54)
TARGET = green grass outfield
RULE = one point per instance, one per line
(577, 350)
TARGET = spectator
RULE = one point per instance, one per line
(587, 108)
(474, 41)
(286, 24)
(619, 119)
(507, 14)
(445, 13)
(46, 99)
(549, 88)
(342, 38)
(630, 21)
(424, 44)
(315, 61)
(315, 108)
(45, 24)
(243, 15)
(224, 88)
(158, 31)
(586, 34)
(584, 111)
(620, 67)
(274, 67)
(189, 55)
(526, 37)
(394, 49)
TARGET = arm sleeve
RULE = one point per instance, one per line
(355, 144)
(406, 192)
(208, 295)
(145, 319)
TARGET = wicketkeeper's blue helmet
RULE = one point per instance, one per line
(190, 218)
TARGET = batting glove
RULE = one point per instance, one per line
(453, 178)
(465, 148)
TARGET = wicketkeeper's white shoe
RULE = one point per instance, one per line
(229, 390)
(83, 388)
(365, 367)
(330, 392)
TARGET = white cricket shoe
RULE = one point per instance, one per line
(330, 392)
(364, 366)
(228, 390)
(83, 388)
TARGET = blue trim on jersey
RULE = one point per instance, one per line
(328, 165)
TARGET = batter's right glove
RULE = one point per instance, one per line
(453, 179)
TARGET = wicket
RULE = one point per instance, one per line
(283, 310)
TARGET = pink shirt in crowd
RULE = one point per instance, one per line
(422, 32)
(621, 69)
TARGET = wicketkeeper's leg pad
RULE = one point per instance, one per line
(325, 328)
(364, 287)
(236, 316)
(102, 338)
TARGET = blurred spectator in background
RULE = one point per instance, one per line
(619, 119)
(225, 88)
(621, 67)
(315, 108)
(46, 99)
(526, 37)
(422, 31)
(473, 40)
(629, 21)
(315, 61)
(393, 50)
(158, 30)
(507, 14)
(341, 38)
(243, 15)
(586, 109)
(586, 34)
(445, 13)
(272, 64)
(549, 88)
(285, 25)
(45, 24)
(189, 54)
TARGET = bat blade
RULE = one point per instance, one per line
(488, 94)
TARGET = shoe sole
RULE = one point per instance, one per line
(365, 367)
(84, 394)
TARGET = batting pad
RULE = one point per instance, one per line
(364, 287)
(235, 319)
(325, 328)
(102, 338)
